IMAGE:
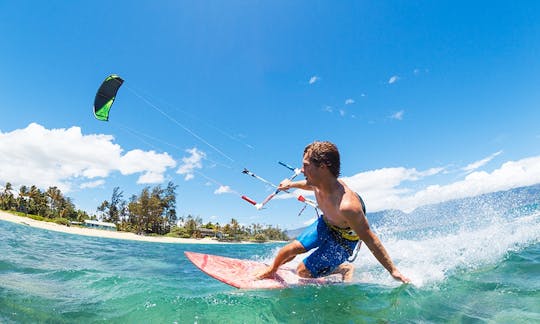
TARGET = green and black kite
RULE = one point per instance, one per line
(105, 96)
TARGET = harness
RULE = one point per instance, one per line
(347, 235)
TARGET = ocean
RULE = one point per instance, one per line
(477, 262)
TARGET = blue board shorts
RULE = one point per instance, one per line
(331, 251)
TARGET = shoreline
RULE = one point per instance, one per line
(5, 216)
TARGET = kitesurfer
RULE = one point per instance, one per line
(338, 230)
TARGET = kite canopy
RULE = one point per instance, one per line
(105, 96)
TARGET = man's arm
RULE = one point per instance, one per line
(378, 250)
(359, 224)
(288, 184)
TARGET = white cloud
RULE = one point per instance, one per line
(383, 188)
(222, 190)
(387, 188)
(149, 163)
(478, 164)
(393, 79)
(191, 163)
(314, 79)
(63, 157)
(151, 177)
(342, 113)
(398, 115)
(349, 101)
(92, 184)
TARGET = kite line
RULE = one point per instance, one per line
(104, 100)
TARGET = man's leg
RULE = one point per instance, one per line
(302, 271)
(286, 254)
(346, 270)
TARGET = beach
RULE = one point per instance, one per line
(103, 233)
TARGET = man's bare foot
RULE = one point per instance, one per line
(265, 273)
(347, 271)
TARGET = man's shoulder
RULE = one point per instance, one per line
(350, 203)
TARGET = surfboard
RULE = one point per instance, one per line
(242, 273)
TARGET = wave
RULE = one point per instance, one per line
(431, 254)
(435, 242)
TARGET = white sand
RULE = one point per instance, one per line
(101, 233)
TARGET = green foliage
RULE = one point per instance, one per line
(177, 231)
(152, 212)
(37, 217)
(260, 237)
(61, 221)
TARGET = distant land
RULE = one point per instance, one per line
(486, 205)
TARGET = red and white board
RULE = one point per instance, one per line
(241, 273)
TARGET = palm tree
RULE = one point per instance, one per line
(34, 200)
(21, 199)
(7, 201)
(55, 199)
(235, 227)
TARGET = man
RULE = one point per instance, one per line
(338, 230)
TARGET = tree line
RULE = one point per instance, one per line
(50, 204)
(151, 212)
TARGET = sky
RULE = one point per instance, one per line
(427, 101)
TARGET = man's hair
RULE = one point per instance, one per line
(324, 153)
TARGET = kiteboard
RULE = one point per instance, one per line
(242, 273)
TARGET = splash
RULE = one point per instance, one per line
(430, 254)
(437, 242)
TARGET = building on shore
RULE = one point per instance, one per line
(99, 225)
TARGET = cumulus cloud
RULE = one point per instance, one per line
(92, 184)
(148, 163)
(64, 157)
(386, 190)
(191, 163)
(478, 164)
(223, 190)
(389, 188)
(349, 101)
(398, 115)
(314, 79)
(393, 79)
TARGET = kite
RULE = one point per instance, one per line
(105, 96)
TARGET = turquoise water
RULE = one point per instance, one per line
(484, 270)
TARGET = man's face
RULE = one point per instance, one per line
(309, 170)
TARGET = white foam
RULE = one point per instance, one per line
(431, 258)
(443, 247)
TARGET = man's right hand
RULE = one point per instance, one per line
(398, 276)
(285, 185)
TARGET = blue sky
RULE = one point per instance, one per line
(427, 101)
